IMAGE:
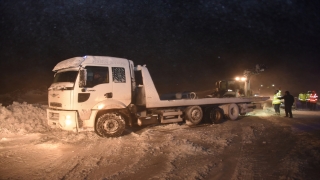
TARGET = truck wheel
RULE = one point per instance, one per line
(215, 115)
(110, 125)
(233, 111)
(193, 115)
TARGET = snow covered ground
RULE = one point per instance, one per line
(257, 146)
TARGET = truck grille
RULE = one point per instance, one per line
(55, 104)
(54, 116)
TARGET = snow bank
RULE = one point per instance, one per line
(22, 118)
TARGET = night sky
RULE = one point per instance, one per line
(186, 45)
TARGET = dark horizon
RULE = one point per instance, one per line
(197, 43)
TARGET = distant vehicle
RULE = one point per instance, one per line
(104, 94)
(229, 88)
(238, 87)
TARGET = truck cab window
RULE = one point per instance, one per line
(118, 74)
(223, 85)
(97, 75)
(67, 76)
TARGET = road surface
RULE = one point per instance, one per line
(256, 146)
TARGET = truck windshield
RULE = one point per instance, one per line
(67, 76)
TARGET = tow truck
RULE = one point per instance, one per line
(105, 94)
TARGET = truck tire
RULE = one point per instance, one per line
(110, 125)
(193, 115)
(233, 111)
(215, 115)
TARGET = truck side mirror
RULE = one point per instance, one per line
(83, 78)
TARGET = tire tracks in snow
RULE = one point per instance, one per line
(265, 147)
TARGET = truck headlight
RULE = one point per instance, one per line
(68, 120)
(100, 106)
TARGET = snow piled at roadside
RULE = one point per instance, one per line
(23, 118)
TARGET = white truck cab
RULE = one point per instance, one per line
(84, 85)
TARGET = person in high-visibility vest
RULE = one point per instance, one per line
(276, 102)
(308, 98)
(303, 100)
(313, 101)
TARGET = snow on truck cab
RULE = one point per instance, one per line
(104, 94)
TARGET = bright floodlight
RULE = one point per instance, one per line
(240, 78)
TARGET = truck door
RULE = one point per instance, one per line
(98, 88)
(104, 83)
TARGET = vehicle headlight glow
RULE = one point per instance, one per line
(68, 122)
(240, 78)
(100, 106)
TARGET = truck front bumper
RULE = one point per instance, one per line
(66, 120)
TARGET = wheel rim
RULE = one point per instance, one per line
(215, 115)
(233, 112)
(111, 125)
(196, 115)
(193, 115)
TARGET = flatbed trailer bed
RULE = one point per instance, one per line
(153, 99)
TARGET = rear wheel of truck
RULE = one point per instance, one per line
(233, 111)
(110, 125)
(193, 115)
(215, 115)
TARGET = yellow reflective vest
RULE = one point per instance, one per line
(302, 97)
(275, 98)
(308, 96)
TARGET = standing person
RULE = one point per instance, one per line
(276, 102)
(288, 102)
(308, 98)
(303, 99)
(313, 101)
